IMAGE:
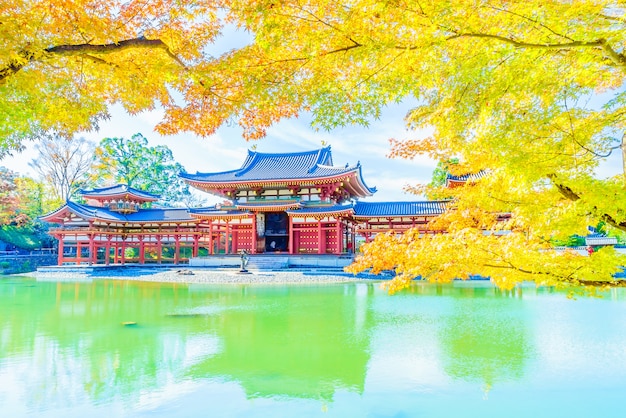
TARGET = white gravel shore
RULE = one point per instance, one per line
(186, 275)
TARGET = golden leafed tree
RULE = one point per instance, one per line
(62, 63)
(529, 93)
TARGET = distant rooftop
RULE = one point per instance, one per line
(118, 191)
(373, 209)
(88, 212)
(465, 177)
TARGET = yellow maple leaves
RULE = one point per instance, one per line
(508, 87)
(506, 259)
(62, 62)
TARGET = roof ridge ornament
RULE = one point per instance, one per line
(247, 164)
(322, 156)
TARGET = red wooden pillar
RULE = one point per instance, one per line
(227, 241)
(339, 237)
(321, 244)
(142, 250)
(290, 235)
(211, 238)
(176, 248)
(158, 248)
(353, 238)
(235, 240)
(107, 251)
(60, 250)
(196, 245)
(78, 251)
(123, 255)
(254, 232)
(92, 258)
(224, 234)
(217, 238)
(90, 243)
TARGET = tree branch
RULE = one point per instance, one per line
(533, 20)
(306, 59)
(15, 65)
(569, 194)
(27, 57)
(602, 43)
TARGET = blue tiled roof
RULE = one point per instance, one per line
(160, 215)
(466, 177)
(212, 210)
(374, 209)
(359, 209)
(91, 212)
(278, 166)
(144, 215)
(118, 189)
(321, 209)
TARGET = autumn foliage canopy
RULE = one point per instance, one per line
(531, 92)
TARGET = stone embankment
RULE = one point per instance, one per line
(210, 276)
(12, 264)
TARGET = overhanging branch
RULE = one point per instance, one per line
(569, 194)
(89, 50)
(601, 43)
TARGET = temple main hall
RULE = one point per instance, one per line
(275, 203)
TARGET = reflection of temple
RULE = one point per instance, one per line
(68, 341)
(290, 203)
(484, 339)
(312, 343)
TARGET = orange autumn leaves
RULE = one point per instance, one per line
(527, 90)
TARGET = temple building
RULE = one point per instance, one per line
(275, 203)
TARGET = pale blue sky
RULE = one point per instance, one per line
(226, 150)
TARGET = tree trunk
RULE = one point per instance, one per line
(623, 146)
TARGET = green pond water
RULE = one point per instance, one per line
(136, 349)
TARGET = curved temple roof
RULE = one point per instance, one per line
(362, 210)
(96, 213)
(277, 167)
(358, 210)
(323, 210)
(452, 180)
(117, 191)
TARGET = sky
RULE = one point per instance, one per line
(226, 150)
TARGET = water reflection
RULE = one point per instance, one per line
(486, 338)
(70, 344)
(434, 335)
(111, 346)
(113, 340)
(300, 342)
